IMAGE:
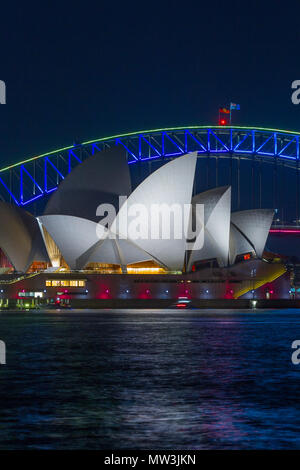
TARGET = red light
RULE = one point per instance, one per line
(284, 231)
(180, 305)
(247, 256)
(222, 122)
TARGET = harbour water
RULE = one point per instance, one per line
(158, 379)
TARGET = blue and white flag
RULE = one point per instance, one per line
(234, 106)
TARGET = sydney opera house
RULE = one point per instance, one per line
(72, 252)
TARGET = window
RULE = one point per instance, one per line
(65, 283)
(31, 294)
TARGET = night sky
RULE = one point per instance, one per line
(78, 73)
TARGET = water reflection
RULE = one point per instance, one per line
(161, 379)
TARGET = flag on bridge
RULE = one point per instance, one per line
(235, 107)
(224, 110)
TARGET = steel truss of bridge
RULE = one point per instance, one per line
(31, 179)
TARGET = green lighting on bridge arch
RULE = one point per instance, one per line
(151, 131)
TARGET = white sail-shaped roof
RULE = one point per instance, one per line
(113, 251)
(254, 226)
(171, 185)
(217, 205)
(72, 235)
(20, 237)
(79, 242)
(238, 244)
(70, 217)
(99, 179)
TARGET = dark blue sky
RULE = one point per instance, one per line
(104, 68)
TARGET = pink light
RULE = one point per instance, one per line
(284, 231)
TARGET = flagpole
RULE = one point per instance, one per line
(230, 113)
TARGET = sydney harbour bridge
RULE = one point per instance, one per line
(261, 165)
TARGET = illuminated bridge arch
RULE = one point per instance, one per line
(32, 179)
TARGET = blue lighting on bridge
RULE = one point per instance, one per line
(32, 178)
